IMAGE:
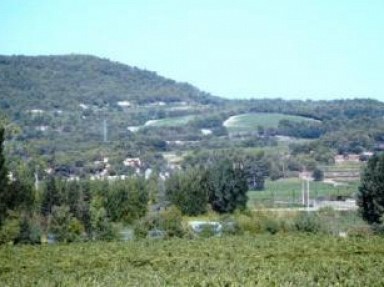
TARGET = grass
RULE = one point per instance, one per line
(289, 191)
(264, 260)
(250, 122)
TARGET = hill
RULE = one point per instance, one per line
(64, 82)
(75, 111)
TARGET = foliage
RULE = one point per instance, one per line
(265, 260)
(101, 226)
(227, 186)
(318, 174)
(126, 200)
(308, 223)
(10, 230)
(370, 197)
(168, 221)
(188, 191)
(64, 226)
(30, 231)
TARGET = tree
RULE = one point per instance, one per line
(370, 197)
(127, 200)
(228, 186)
(188, 191)
(318, 174)
(51, 196)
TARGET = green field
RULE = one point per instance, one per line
(171, 122)
(264, 260)
(250, 122)
(288, 192)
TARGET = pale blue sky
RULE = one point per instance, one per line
(316, 49)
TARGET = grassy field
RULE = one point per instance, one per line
(170, 122)
(250, 122)
(265, 260)
(288, 192)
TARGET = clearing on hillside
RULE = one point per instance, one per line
(170, 122)
(250, 122)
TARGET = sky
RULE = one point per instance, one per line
(291, 49)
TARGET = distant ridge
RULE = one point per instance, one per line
(64, 81)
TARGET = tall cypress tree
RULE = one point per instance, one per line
(370, 197)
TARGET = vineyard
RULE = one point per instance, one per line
(264, 260)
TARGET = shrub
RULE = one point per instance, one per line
(248, 223)
(65, 227)
(168, 221)
(30, 231)
(9, 230)
(308, 222)
(271, 225)
(360, 231)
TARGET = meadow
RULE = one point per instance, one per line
(261, 260)
(250, 122)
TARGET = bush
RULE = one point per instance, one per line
(30, 231)
(360, 232)
(168, 221)
(248, 223)
(65, 227)
(9, 230)
(271, 225)
(308, 222)
(318, 174)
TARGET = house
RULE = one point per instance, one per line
(132, 162)
(124, 104)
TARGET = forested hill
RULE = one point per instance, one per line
(62, 82)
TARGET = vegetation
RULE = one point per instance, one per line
(251, 122)
(236, 260)
(288, 192)
(91, 149)
(371, 191)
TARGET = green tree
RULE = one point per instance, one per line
(228, 186)
(127, 200)
(51, 195)
(370, 197)
(188, 191)
(318, 174)
(64, 226)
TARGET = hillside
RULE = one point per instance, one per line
(64, 82)
(75, 111)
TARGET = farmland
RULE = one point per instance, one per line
(263, 260)
(288, 192)
(250, 122)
